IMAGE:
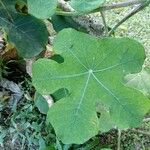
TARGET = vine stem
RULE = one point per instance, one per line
(71, 12)
(142, 132)
(104, 22)
(129, 15)
(119, 140)
(121, 4)
(146, 120)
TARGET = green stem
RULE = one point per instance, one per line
(119, 140)
(146, 120)
(142, 132)
(121, 4)
(102, 8)
(67, 13)
(104, 22)
(133, 12)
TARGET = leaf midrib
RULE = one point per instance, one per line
(81, 100)
(104, 87)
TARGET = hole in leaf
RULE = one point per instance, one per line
(98, 114)
(59, 94)
(58, 58)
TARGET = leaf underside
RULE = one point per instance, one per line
(93, 71)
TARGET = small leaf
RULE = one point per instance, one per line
(140, 81)
(93, 72)
(42, 9)
(41, 103)
(86, 5)
(61, 22)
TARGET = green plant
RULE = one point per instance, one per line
(94, 81)
(92, 70)
(27, 33)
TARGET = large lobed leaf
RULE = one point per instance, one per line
(27, 33)
(93, 72)
(86, 5)
(42, 8)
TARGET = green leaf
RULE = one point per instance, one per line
(93, 72)
(6, 7)
(42, 9)
(59, 94)
(42, 144)
(41, 103)
(28, 34)
(61, 22)
(105, 121)
(86, 5)
(140, 81)
(50, 148)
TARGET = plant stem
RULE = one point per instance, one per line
(72, 12)
(68, 13)
(142, 132)
(146, 120)
(121, 4)
(119, 140)
(104, 22)
(133, 12)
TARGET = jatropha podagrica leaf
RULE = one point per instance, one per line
(93, 71)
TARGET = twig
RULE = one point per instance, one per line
(133, 12)
(88, 22)
(121, 4)
(69, 11)
(104, 22)
(142, 132)
(119, 140)
(146, 120)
